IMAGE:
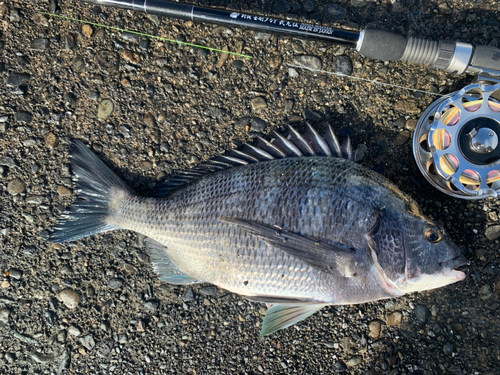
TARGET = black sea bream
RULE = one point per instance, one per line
(287, 223)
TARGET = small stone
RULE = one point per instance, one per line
(343, 65)
(88, 342)
(18, 79)
(307, 61)
(336, 12)
(8, 162)
(422, 313)
(223, 57)
(485, 292)
(275, 61)
(69, 99)
(394, 319)
(257, 124)
(448, 348)
(311, 115)
(15, 273)
(141, 326)
(4, 315)
(42, 358)
(149, 119)
(374, 328)
(258, 103)
(292, 73)
(74, 331)
(69, 42)
(188, 295)
(407, 106)
(132, 57)
(64, 362)
(40, 20)
(354, 361)
(107, 60)
(402, 138)
(87, 30)
(69, 297)
(115, 283)
(262, 36)
(23, 117)
(152, 305)
(40, 44)
(125, 82)
(281, 6)
(339, 366)
(492, 232)
(5, 284)
(241, 318)
(411, 124)
(64, 191)
(16, 186)
(51, 140)
(105, 109)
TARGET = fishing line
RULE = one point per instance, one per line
(146, 35)
(364, 79)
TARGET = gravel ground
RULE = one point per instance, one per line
(149, 107)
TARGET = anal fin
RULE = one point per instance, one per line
(163, 265)
(282, 316)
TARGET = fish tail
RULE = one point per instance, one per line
(99, 192)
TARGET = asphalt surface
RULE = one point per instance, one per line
(149, 107)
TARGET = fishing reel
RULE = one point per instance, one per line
(457, 141)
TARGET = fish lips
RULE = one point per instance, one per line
(455, 263)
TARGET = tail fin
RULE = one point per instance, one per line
(96, 186)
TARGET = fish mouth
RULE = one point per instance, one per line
(455, 263)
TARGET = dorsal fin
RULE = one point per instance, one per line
(296, 145)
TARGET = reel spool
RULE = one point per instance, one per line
(457, 142)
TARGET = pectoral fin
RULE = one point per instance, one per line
(282, 316)
(166, 269)
(328, 257)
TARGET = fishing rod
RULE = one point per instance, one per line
(450, 56)
(456, 143)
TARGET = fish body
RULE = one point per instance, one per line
(296, 232)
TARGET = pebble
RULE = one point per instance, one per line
(281, 6)
(308, 61)
(422, 313)
(354, 361)
(394, 319)
(69, 42)
(8, 162)
(40, 44)
(335, 11)
(152, 305)
(69, 297)
(275, 62)
(23, 117)
(130, 37)
(257, 124)
(15, 273)
(18, 79)
(25, 338)
(88, 342)
(339, 366)
(407, 106)
(64, 362)
(311, 115)
(115, 283)
(258, 103)
(94, 95)
(402, 138)
(492, 232)
(262, 36)
(42, 358)
(132, 57)
(87, 30)
(374, 329)
(448, 348)
(40, 20)
(105, 109)
(4, 315)
(51, 140)
(188, 295)
(107, 60)
(343, 65)
(223, 57)
(485, 292)
(16, 186)
(360, 152)
(74, 331)
(292, 73)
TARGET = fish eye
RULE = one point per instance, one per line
(432, 233)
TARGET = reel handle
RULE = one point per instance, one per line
(447, 55)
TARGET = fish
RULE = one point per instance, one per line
(293, 222)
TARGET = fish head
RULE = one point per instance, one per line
(414, 254)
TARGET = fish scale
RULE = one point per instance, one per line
(299, 233)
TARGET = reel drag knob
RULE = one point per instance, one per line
(456, 142)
